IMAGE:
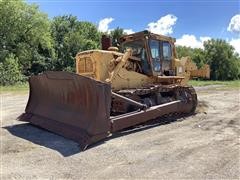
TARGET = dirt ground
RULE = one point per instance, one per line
(202, 146)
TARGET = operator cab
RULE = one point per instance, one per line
(155, 52)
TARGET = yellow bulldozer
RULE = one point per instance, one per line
(113, 89)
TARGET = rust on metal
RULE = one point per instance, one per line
(132, 119)
(71, 105)
(106, 42)
(130, 101)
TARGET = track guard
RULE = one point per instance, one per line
(71, 105)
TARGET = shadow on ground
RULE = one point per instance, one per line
(138, 128)
(68, 147)
(44, 138)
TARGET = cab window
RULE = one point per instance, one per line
(136, 46)
(138, 50)
(155, 53)
(167, 51)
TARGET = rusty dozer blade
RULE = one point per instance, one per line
(71, 105)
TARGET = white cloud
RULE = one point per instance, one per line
(128, 31)
(163, 25)
(236, 44)
(191, 41)
(103, 25)
(234, 25)
(204, 38)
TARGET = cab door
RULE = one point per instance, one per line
(155, 54)
(167, 58)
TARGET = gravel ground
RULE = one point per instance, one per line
(202, 146)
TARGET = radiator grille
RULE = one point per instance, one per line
(85, 65)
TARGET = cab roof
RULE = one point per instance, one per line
(144, 34)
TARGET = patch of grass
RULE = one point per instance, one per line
(15, 88)
(231, 84)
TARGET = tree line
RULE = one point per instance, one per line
(31, 43)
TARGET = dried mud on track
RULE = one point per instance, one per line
(205, 145)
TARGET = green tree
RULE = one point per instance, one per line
(115, 35)
(25, 32)
(183, 51)
(10, 72)
(196, 54)
(224, 63)
(70, 37)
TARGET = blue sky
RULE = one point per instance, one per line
(198, 18)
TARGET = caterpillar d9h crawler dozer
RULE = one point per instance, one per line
(111, 90)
